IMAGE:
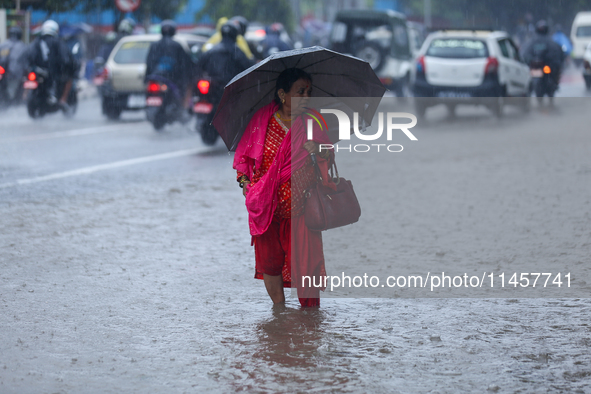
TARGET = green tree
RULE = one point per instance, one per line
(265, 11)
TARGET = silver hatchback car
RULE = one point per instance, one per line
(122, 86)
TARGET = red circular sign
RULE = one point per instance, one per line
(127, 5)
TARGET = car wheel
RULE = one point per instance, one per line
(159, 121)
(498, 105)
(34, 108)
(111, 111)
(209, 135)
(373, 54)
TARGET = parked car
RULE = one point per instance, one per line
(122, 84)
(580, 35)
(587, 67)
(379, 37)
(470, 67)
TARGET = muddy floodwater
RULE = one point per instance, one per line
(139, 280)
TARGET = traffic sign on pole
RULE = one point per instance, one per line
(127, 5)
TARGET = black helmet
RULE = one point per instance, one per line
(168, 28)
(229, 30)
(542, 27)
(15, 32)
(242, 23)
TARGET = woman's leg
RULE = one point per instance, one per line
(274, 285)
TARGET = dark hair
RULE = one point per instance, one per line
(287, 78)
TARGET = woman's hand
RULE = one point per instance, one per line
(244, 191)
(314, 147)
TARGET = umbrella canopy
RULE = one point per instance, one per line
(333, 75)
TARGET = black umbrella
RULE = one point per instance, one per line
(333, 75)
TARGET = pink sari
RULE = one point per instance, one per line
(261, 202)
(260, 199)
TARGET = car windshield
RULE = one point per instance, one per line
(132, 52)
(352, 36)
(457, 48)
(584, 31)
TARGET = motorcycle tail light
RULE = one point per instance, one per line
(2, 70)
(153, 87)
(547, 70)
(492, 65)
(203, 86)
(32, 76)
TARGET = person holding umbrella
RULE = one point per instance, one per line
(263, 116)
(274, 166)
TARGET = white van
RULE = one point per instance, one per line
(581, 34)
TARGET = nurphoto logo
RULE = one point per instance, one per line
(345, 129)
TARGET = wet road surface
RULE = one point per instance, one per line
(126, 266)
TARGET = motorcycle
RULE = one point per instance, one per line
(43, 97)
(205, 103)
(544, 79)
(164, 102)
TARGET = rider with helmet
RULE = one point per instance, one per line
(272, 42)
(544, 50)
(225, 60)
(241, 24)
(11, 60)
(168, 59)
(52, 54)
(126, 27)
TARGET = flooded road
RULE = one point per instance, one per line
(138, 277)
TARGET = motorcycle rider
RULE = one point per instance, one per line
(225, 60)
(272, 42)
(543, 49)
(168, 59)
(11, 59)
(50, 53)
(241, 24)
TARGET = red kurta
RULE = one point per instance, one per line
(275, 244)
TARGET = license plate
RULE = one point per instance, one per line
(202, 108)
(154, 101)
(536, 73)
(453, 94)
(136, 101)
(30, 85)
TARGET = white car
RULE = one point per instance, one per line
(580, 34)
(469, 67)
(587, 67)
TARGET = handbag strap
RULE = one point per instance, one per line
(332, 173)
